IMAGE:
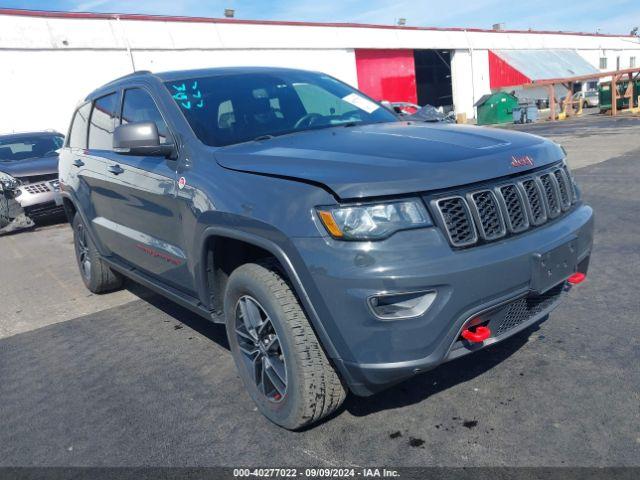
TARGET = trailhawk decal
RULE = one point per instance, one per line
(157, 254)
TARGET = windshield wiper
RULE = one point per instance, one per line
(263, 137)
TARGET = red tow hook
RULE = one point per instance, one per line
(576, 278)
(479, 336)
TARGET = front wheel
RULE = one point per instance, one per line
(96, 275)
(278, 356)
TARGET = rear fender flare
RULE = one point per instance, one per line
(67, 195)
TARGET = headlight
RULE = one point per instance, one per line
(7, 182)
(374, 221)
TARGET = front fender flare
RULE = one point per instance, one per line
(285, 260)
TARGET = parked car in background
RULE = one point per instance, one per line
(344, 249)
(401, 108)
(586, 99)
(427, 113)
(28, 178)
(589, 98)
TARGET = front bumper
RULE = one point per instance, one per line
(40, 193)
(373, 354)
(20, 206)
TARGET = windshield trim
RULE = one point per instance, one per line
(306, 130)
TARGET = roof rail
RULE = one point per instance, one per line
(132, 74)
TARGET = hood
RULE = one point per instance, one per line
(392, 158)
(30, 167)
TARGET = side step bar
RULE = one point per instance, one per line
(182, 299)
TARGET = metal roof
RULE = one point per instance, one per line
(169, 18)
(546, 64)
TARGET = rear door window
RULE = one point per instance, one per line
(102, 123)
(78, 132)
(138, 106)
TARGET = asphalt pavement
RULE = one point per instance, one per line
(145, 382)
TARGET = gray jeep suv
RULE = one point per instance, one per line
(344, 248)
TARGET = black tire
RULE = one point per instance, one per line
(96, 275)
(312, 388)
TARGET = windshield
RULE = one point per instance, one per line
(24, 148)
(227, 109)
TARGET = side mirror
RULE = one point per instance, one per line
(141, 139)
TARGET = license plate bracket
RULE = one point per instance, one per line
(553, 266)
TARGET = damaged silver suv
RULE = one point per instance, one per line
(28, 178)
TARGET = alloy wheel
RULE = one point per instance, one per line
(82, 249)
(260, 348)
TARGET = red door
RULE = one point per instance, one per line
(387, 74)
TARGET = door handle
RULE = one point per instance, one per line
(78, 163)
(116, 169)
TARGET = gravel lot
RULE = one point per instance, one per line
(130, 379)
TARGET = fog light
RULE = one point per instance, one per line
(397, 306)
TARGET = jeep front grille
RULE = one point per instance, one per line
(537, 214)
(565, 188)
(551, 194)
(456, 216)
(487, 214)
(507, 208)
(35, 188)
(514, 205)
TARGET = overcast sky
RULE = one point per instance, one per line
(609, 16)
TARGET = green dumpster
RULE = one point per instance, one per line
(496, 108)
(604, 94)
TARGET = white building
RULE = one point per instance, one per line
(50, 60)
